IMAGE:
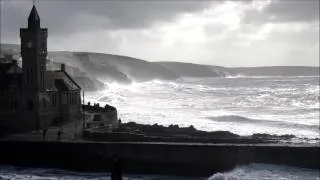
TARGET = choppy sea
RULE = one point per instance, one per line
(242, 105)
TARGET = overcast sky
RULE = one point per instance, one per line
(225, 33)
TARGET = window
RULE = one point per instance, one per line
(70, 100)
(65, 99)
(31, 76)
(30, 105)
(75, 98)
(42, 75)
(44, 46)
(28, 75)
(15, 105)
(54, 99)
(44, 103)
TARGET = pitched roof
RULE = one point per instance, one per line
(10, 76)
(4, 67)
(61, 85)
(9, 68)
(60, 81)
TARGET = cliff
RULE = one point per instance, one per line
(94, 70)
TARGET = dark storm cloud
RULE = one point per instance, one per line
(63, 17)
(284, 11)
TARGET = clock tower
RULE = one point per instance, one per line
(34, 53)
(32, 98)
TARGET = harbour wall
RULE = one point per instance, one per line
(187, 159)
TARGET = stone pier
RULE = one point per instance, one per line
(191, 159)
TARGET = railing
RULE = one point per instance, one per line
(102, 117)
(96, 108)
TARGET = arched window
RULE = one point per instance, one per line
(14, 105)
(28, 75)
(30, 105)
(54, 99)
(31, 76)
(44, 104)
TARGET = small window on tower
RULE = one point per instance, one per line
(44, 104)
(44, 43)
(55, 99)
(42, 75)
(31, 76)
(28, 76)
(30, 105)
(14, 105)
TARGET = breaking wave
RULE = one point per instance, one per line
(267, 172)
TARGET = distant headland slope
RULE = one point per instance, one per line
(91, 69)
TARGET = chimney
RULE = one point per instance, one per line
(63, 67)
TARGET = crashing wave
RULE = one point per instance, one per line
(266, 172)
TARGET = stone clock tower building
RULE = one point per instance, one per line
(30, 96)
(34, 54)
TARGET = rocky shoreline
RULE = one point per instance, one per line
(132, 131)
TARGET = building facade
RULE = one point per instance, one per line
(30, 96)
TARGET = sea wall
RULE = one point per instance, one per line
(191, 159)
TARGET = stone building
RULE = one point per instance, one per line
(30, 96)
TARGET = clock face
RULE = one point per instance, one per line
(29, 44)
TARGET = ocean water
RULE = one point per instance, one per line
(242, 105)
(244, 172)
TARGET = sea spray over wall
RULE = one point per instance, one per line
(266, 172)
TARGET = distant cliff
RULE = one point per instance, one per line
(195, 70)
(90, 70)
(276, 71)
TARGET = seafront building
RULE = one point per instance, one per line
(30, 96)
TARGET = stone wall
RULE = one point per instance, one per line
(97, 116)
(189, 159)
